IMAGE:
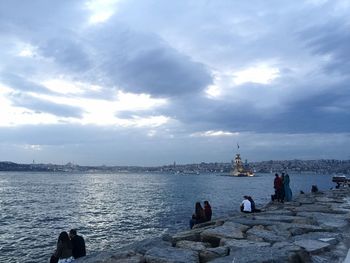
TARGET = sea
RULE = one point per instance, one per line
(117, 209)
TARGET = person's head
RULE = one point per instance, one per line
(72, 233)
(246, 197)
(250, 198)
(206, 203)
(198, 205)
(63, 237)
(276, 174)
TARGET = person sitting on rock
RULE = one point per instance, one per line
(314, 189)
(199, 215)
(246, 206)
(207, 211)
(254, 209)
(78, 244)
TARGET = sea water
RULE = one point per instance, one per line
(114, 210)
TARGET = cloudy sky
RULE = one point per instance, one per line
(150, 82)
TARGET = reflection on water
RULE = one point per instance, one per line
(113, 210)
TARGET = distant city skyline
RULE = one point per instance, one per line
(124, 82)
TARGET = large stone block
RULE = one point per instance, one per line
(228, 230)
(192, 245)
(266, 235)
(171, 255)
(190, 235)
(263, 255)
(242, 243)
(212, 253)
(312, 246)
(118, 257)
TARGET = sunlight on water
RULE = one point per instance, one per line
(114, 210)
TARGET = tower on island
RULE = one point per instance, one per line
(238, 169)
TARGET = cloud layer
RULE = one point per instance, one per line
(187, 78)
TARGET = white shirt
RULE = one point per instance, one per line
(247, 206)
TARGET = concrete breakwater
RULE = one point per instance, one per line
(312, 228)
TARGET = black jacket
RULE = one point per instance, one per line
(78, 244)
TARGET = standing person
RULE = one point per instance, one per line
(64, 249)
(78, 244)
(246, 206)
(207, 211)
(199, 215)
(287, 191)
(283, 193)
(277, 184)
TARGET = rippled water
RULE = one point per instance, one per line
(113, 210)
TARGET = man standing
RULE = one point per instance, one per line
(78, 244)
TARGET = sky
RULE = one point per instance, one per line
(126, 82)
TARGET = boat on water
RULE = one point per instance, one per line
(239, 169)
(341, 180)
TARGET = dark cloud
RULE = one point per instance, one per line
(19, 83)
(143, 63)
(326, 111)
(68, 53)
(40, 105)
(330, 39)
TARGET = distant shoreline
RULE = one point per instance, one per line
(291, 166)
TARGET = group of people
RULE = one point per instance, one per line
(248, 205)
(69, 247)
(201, 214)
(282, 188)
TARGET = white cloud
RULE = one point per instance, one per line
(214, 134)
(101, 10)
(32, 147)
(95, 111)
(262, 74)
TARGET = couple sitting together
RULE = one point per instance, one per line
(69, 247)
(201, 215)
(248, 205)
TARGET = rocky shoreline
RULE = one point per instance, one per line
(312, 228)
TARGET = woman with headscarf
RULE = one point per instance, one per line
(287, 190)
(199, 215)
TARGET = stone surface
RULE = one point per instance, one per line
(209, 223)
(212, 253)
(228, 230)
(314, 208)
(241, 243)
(191, 235)
(263, 255)
(312, 246)
(251, 221)
(171, 255)
(279, 218)
(338, 220)
(142, 246)
(196, 246)
(260, 232)
(121, 257)
(335, 237)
